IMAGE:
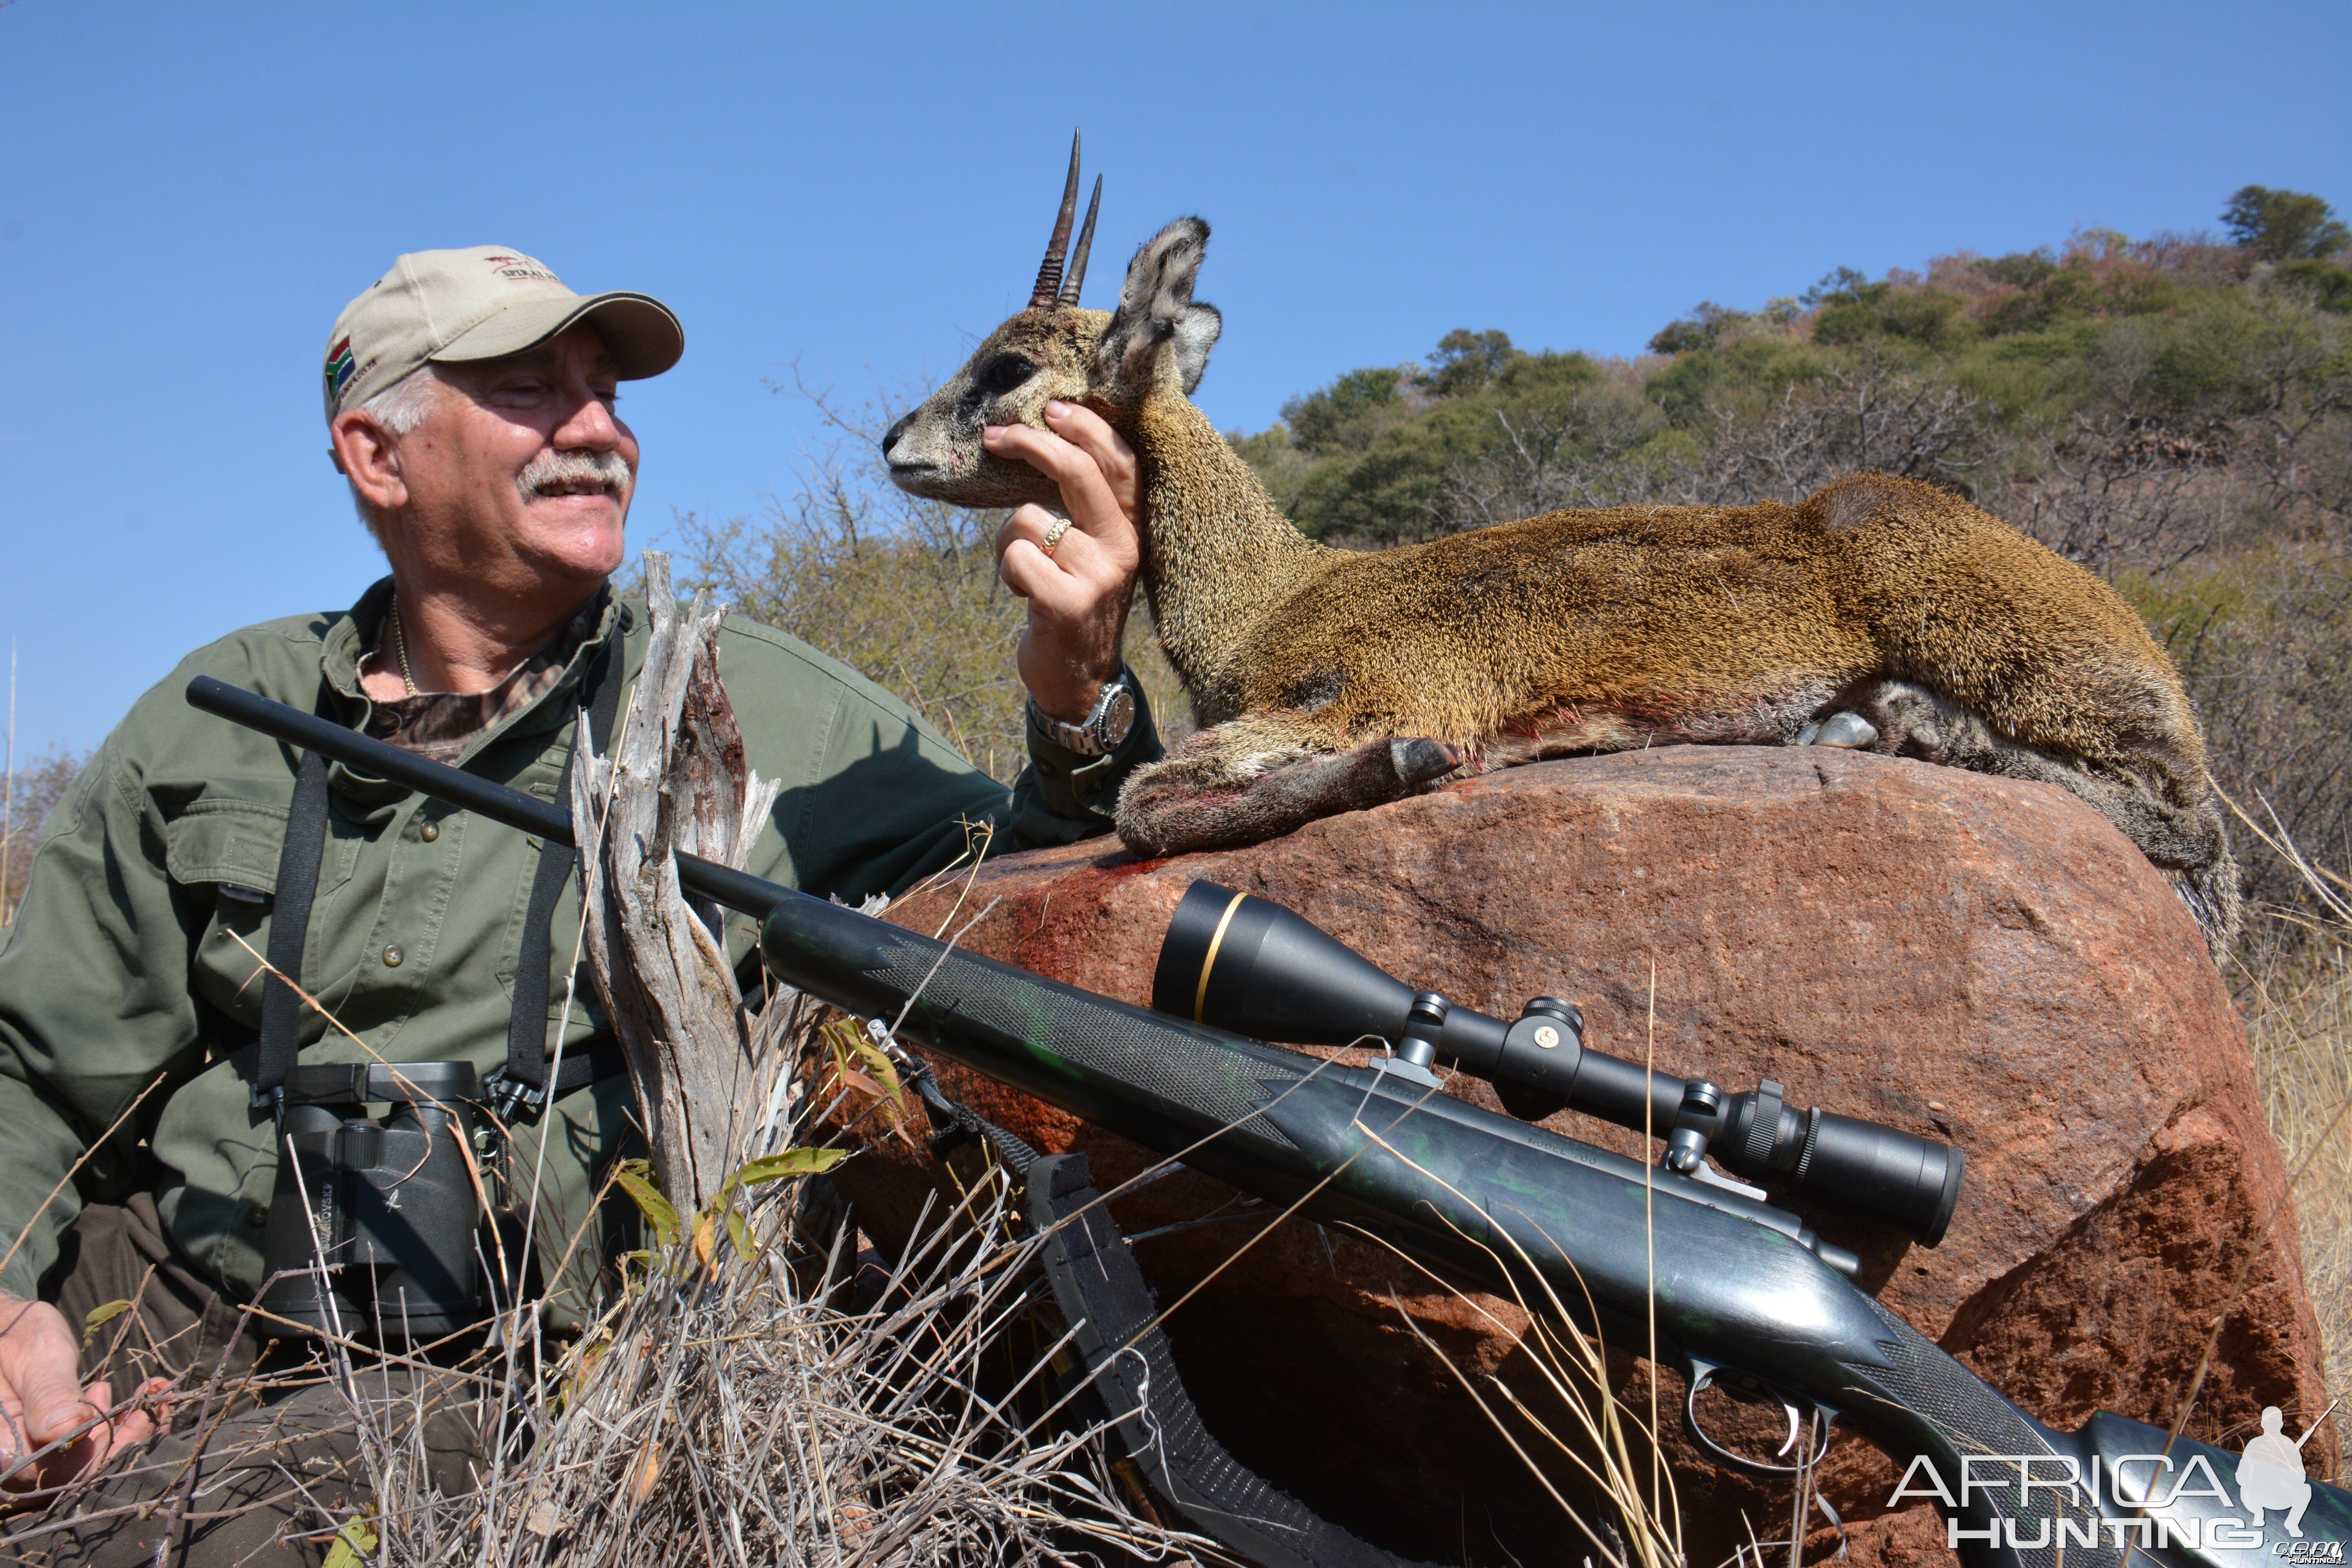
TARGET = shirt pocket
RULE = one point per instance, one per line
(234, 845)
(229, 843)
(227, 851)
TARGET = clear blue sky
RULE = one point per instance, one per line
(188, 195)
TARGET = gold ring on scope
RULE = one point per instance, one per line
(1053, 535)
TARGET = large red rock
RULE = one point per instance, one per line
(1966, 957)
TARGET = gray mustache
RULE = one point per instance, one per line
(551, 470)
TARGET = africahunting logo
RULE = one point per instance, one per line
(2270, 1478)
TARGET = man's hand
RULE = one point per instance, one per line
(42, 1399)
(1078, 595)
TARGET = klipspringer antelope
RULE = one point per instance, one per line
(1879, 614)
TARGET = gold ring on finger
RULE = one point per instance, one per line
(1054, 536)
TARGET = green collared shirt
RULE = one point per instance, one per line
(133, 959)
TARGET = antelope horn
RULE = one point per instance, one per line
(1086, 244)
(1049, 272)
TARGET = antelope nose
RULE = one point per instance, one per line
(890, 436)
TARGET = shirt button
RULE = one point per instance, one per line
(429, 832)
(392, 957)
(257, 1215)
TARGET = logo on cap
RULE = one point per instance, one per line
(519, 267)
(339, 369)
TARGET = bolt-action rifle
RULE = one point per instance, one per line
(1733, 1289)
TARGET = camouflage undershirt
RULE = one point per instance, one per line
(439, 725)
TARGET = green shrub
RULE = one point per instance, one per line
(1929, 316)
(2280, 225)
(2325, 283)
(2020, 269)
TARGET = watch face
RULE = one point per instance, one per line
(1118, 716)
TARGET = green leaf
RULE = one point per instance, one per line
(353, 1543)
(790, 1163)
(885, 1069)
(739, 1233)
(851, 1045)
(636, 1179)
(99, 1318)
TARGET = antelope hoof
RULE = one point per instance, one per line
(1420, 760)
(1842, 728)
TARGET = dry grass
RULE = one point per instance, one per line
(2299, 1016)
(752, 1412)
(747, 1397)
(766, 1395)
(2298, 1010)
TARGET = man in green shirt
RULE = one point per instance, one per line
(471, 398)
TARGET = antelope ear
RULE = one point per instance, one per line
(1156, 312)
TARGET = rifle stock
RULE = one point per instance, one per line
(1731, 1283)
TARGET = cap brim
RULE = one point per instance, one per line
(643, 337)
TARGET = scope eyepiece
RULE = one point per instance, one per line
(1239, 962)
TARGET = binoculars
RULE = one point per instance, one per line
(374, 1224)
(1239, 962)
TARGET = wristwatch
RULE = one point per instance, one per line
(1103, 729)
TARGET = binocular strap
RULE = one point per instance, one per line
(289, 925)
(297, 881)
(1149, 1419)
(527, 1029)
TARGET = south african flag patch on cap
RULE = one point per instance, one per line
(339, 368)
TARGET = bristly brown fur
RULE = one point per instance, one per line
(1328, 679)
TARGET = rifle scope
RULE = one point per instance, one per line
(1235, 962)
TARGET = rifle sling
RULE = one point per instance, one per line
(525, 1069)
(1149, 1419)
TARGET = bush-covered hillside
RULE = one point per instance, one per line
(2164, 355)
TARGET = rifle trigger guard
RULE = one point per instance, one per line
(1801, 1416)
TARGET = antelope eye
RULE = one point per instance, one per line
(1002, 374)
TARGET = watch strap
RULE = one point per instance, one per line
(1114, 709)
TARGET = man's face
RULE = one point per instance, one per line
(518, 478)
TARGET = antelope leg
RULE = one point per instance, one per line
(1265, 774)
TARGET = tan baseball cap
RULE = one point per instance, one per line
(481, 303)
